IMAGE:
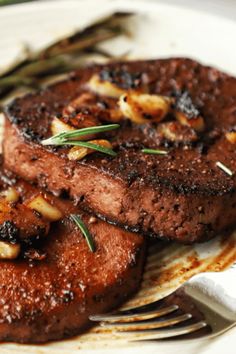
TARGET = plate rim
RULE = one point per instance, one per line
(148, 4)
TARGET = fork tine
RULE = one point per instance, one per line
(133, 316)
(146, 325)
(159, 334)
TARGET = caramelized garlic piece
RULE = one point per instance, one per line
(50, 212)
(176, 132)
(167, 132)
(144, 108)
(104, 88)
(79, 152)
(58, 126)
(196, 123)
(83, 99)
(231, 136)
(9, 250)
(10, 195)
(112, 114)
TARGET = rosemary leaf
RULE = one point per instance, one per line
(224, 168)
(8, 83)
(154, 151)
(16, 80)
(77, 220)
(64, 137)
(91, 146)
(84, 43)
(42, 67)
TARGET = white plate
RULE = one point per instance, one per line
(160, 31)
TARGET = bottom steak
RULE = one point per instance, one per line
(52, 297)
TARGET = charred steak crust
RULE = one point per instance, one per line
(52, 298)
(182, 196)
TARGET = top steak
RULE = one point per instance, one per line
(183, 195)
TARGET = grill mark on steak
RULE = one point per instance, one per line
(136, 190)
(50, 294)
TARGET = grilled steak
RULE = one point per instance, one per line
(48, 292)
(183, 195)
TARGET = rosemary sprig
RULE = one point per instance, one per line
(90, 41)
(154, 151)
(91, 146)
(7, 83)
(16, 80)
(77, 220)
(65, 137)
(224, 168)
(43, 67)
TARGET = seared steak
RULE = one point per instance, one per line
(48, 292)
(183, 195)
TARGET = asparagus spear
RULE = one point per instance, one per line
(93, 34)
(62, 56)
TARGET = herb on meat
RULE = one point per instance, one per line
(224, 168)
(91, 146)
(64, 137)
(77, 220)
(154, 151)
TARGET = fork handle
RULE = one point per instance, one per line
(217, 290)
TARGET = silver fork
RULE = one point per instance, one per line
(204, 306)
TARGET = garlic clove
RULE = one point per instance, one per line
(231, 136)
(144, 108)
(196, 123)
(104, 88)
(176, 132)
(79, 152)
(10, 195)
(9, 250)
(50, 212)
(58, 126)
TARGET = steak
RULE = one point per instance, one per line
(50, 290)
(183, 195)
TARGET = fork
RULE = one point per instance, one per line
(204, 306)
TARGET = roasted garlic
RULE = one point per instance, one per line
(42, 206)
(144, 108)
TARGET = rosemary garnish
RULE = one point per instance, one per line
(224, 168)
(91, 146)
(64, 137)
(77, 220)
(154, 151)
